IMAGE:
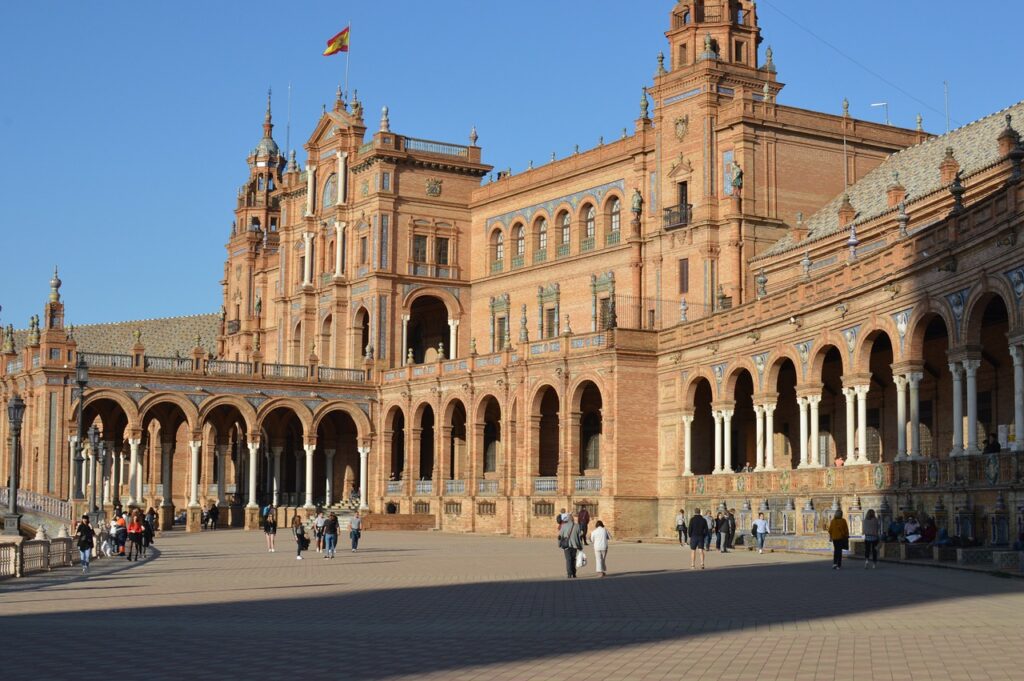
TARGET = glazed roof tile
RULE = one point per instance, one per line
(161, 337)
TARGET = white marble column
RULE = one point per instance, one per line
(193, 495)
(815, 456)
(862, 422)
(254, 452)
(971, 367)
(405, 339)
(133, 470)
(727, 440)
(364, 453)
(958, 408)
(72, 472)
(1017, 352)
(453, 337)
(718, 441)
(342, 157)
(276, 472)
(339, 238)
(769, 437)
(687, 444)
(166, 458)
(221, 453)
(850, 397)
(914, 378)
(329, 477)
(310, 449)
(310, 183)
(307, 262)
(139, 477)
(759, 430)
(901, 417)
(802, 402)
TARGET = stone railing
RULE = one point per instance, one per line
(441, 148)
(487, 487)
(424, 487)
(394, 486)
(285, 371)
(333, 375)
(587, 483)
(454, 486)
(545, 485)
(177, 365)
(228, 368)
(39, 503)
(18, 558)
(106, 359)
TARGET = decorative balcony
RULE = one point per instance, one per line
(454, 487)
(677, 216)
(332, 375)
(424, 487)
(285, 371)
(562, 251)
(587, 483)
(545, 485)
(587, 244)
(540, 256)
(394, 486)
(487, 487)
(497, 266)
(613, 238)
(228, 368)
(517, 261)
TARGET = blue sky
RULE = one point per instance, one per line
(126, 124)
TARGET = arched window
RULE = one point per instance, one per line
(615, 214)
(330, 191)
(270, 183)
(259, 183)
(498, 250)
(589, 221)
(542, 234)
(566, 222)
(519, 239)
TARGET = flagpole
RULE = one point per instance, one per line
(347, 53)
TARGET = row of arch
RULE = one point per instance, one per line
(542, 234)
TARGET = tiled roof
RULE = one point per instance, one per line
(161, 337)
(975, 146)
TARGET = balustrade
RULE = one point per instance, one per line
(424, 487)
(228, 367)
(545, 485)
(178, 365)
(394, 486)
(587, 483)
(487, 487)
(285, 371)
(106, 359)
(454, 486)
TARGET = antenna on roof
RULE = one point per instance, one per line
(846, 164)
(288, 126)
(945, 91)
(886, 105)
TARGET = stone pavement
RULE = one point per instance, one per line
(440, 606)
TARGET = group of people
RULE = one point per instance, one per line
(129, 534)
(211, 515)
(572, 537)
(325, 529)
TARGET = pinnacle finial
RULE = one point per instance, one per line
(267, 118)
(846, 108)
(473, 137)
(385, 121)
(920, 122)
(55, 287)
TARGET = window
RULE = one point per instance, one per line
(566, 223)
(259, 183)
(684, 275)
(739, 52)
(441, 251)
(519, 239)
(363, 251)
(385, 182)
(384, 241)
(542, 235)
(604, 313)
(419, 248)
(616, 214)
(330, 191)
(270, 184)
(500, 329)
(499, 247)
(550, 319)
(273, 224)
(683, 55)
(590, 222)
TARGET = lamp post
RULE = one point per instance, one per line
(96, 514)
(15, 413)
(82, 379)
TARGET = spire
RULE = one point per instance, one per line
(267, 145)
(268, 125)
(339, 101)
(55, 287)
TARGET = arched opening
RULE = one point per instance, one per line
(548, 441)
(995, 376)
(935, 408)
(744, 434)
(614, 219)
(363, 335)
(591, 427)
(286, 457)
(326, 350)
(787, 418)
(703, 430)
(589, 225)
(330, 191)
(491, 434)
(457, 441)
(428, 328)
(881, 424)
(397, 459)
(225, 462)
(565, 233)
(295, 356)
(540, 239)
(426, 461)
(166, 436)
(336, 461)
(519, 240)
(497, 250)
(111, 473)
(832, 411)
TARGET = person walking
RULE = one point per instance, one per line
(872, 533)
(214, 515)
(270, 528)
(330, 535)
(681, 526)
(299, 530)
(719, 530)
(709, 520)
(148, 530)
(700, 537)
(135, 531)
(355, 530)
(760, 531)
(839, 533)
(318, 530)
(85, 539)
(600, 537)
(570, 542)
(584, 520)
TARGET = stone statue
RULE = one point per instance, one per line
(737, 176)
(707, 43)
(637, 203)
(223, 314)
(259, 305)
(644, 104)
(762, 284)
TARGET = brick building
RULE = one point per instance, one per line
(738, 302)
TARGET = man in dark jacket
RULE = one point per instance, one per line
(583, 519)
(699, 532)
(729, 531)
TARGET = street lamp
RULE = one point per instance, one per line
(82, 379)
(15, 413)
(96, 514)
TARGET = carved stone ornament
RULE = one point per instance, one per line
(433, 186)
(682, 126)
(364, 188)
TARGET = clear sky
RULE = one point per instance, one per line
(126, 124)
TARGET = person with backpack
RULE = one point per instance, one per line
(85, 539)
(583, 519)
(700, 537)
(301, 541)
(681, 527)
(570, 542)
(330, 535)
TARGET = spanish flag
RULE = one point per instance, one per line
(338, 43)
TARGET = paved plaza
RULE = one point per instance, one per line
(216, 605)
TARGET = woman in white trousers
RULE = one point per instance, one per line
(599, 538)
